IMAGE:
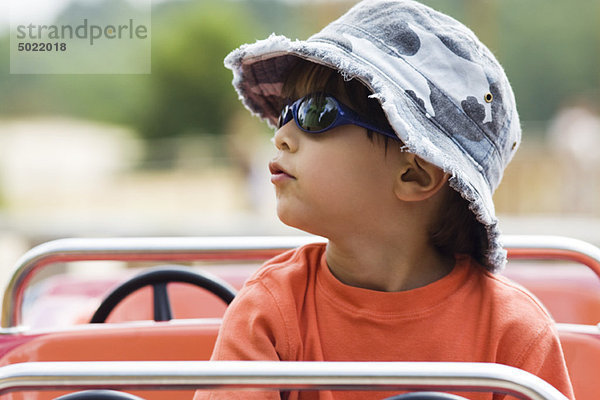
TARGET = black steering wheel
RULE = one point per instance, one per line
(426, 396)
(98, 395)
(158, 278)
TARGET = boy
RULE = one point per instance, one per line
(394, 126)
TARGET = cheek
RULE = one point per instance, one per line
(337, 187)
(353, 181)
(361, 170)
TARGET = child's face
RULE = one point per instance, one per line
(335, 181)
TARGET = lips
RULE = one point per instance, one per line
(278, 173)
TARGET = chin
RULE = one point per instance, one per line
(310, 229)
(300, 222)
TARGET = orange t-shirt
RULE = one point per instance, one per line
(294, 309)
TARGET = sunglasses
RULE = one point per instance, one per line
(318, 112)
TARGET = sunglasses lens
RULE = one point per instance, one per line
(285, 116)
(317, 113)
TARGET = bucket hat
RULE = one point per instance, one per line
(442, 91)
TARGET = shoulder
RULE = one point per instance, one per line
(284, 277)
(513, 299)
(519, 320)
(267, 306)
(293, 266)
(503, 306)
(526, 333)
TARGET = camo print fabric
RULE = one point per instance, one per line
(442, 90)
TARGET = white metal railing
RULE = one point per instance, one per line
(553, 248)
(233, 375)
(175, 249)
(171, 249)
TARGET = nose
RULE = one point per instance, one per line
(286, 138)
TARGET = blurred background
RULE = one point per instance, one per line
(174, 152)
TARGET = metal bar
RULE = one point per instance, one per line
(178, 375)
(171, 249)
(553, 248)
(231, 248)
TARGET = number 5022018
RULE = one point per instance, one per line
(43, 46)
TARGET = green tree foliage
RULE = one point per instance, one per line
(190, 89)
(110, 98)
(551, 52)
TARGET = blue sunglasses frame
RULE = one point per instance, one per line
(345, 116)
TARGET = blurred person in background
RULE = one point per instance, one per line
(574, 138)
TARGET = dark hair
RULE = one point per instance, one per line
(456, 230)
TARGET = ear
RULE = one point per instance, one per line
(418, 179)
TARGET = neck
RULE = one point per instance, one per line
(393, 266)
